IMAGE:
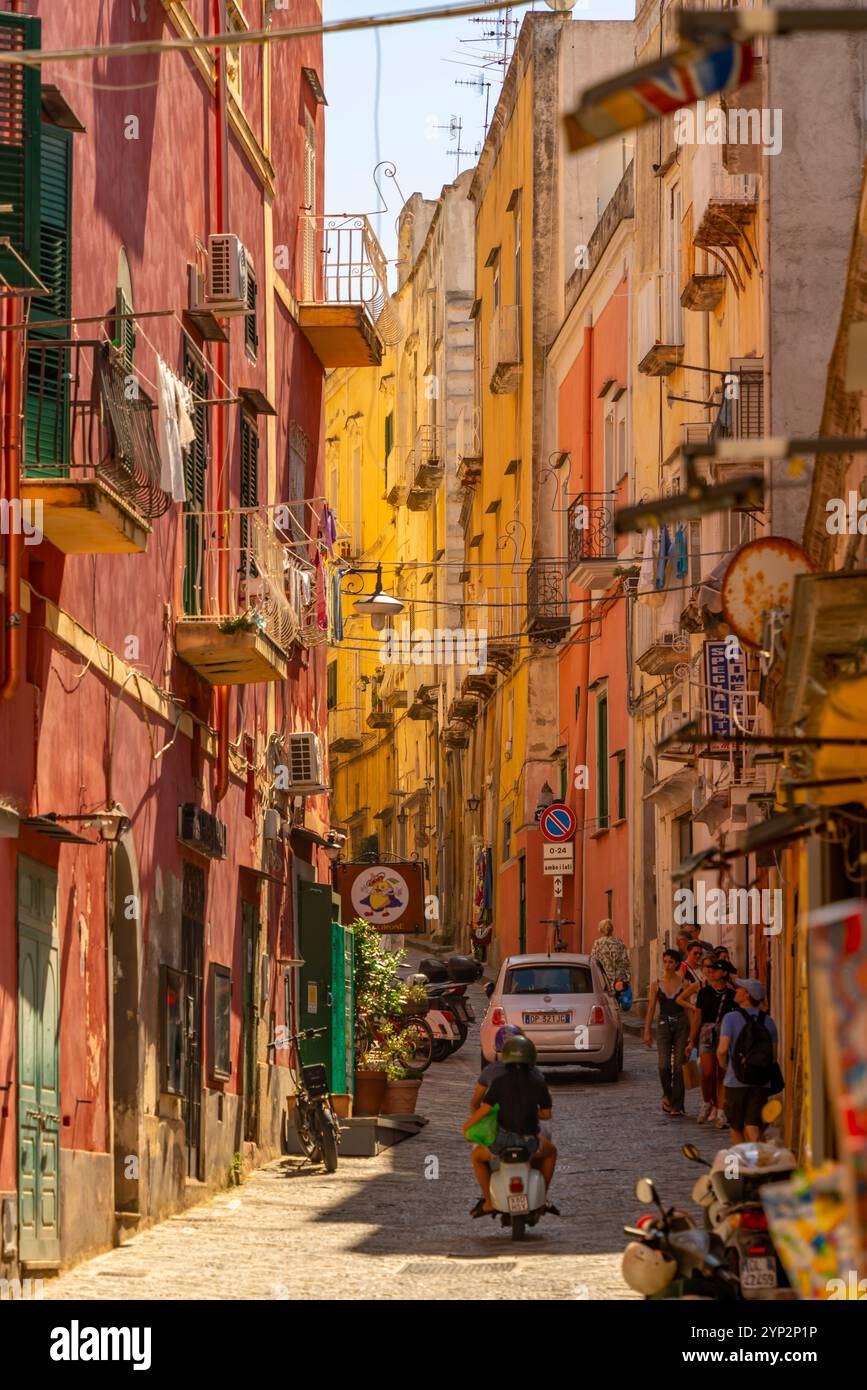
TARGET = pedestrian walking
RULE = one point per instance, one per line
(612, 954)
(748, 1052)
(713, 1001)
(672, 994)
(691, 969)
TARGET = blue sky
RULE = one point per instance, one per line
(418, 68)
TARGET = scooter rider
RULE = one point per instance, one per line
(524, 1100)
(497, 1068)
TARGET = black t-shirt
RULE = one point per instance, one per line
(520, 1096)
(714, 1003)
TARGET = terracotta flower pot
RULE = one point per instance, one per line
(342, 1104)
(369, 1092)
(400, 1098)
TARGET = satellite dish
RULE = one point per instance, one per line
(759, 580)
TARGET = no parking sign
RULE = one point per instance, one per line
(558, 822)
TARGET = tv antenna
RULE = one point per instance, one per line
(455, 129)
(478, 84)
(500, 35)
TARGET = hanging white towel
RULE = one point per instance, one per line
(186, 410)
(647, 591)
(171, 460)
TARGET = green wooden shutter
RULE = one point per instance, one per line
(20, 139)
(602, 769)
(251, 332)
(124, 329)
(249, 491)
(46, 403)
(195, 484)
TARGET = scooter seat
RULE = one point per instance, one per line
(517, 1154)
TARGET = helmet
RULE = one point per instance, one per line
(518, 1051)
(508, 1030)
(645, 1269)
(739, 1171)
(418, 980)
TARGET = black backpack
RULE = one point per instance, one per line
(753, 1052)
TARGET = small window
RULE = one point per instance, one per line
(620, 759)
(518, 250)
(507, 838)
(221, 1022)
(251, 327)
(389, 441)
(602, 762)
(248, 494)
(173, 1037)
(577, 700)
(331, 685)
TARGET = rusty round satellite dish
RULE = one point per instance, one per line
(761, 576)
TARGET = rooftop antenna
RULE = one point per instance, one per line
(455, 129)
(501, 31)
(478, 84)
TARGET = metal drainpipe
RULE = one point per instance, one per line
(11, 460)
(584, 647)
(221, 694)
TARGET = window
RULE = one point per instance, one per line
(518, 248)
(308, 270)
(507, 838)
(577, 700)
(235, 24)
(248, 497)
(549, 979)
(220, 1022)
(46, 406)
(172, 1035)
(609, 461)
(195, 482)
(602, 762)
(673, 325)
(497, 283)
(682, 828)
(298, 447)
(620, 759)
(389, 441)
(331, 685)
(251, 328)
(609, 904)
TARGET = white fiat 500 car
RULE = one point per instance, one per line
(564, 1005)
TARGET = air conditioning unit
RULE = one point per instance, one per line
(306, 764)
(227, 274)
(670, 723)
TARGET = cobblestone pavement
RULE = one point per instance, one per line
(380, 1228)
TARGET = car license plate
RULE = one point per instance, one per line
(759, 1273)
(519, 1203)
(548, 1018)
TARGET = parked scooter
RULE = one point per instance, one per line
(669, 1259)
(449, 1000)
(729, 1196)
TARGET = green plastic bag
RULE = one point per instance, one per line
(484, 1131)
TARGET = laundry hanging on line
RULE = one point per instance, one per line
(175, 429)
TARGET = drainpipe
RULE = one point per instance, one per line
(11, 463)
(584, 647)
(221, 694)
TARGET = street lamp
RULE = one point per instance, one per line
(546, 799)
(473, 803)
(379, 606)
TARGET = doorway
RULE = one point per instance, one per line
(192, 964)
(250, 1019)
(126, 959)
(38, 1068)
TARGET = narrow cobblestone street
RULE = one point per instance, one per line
(379, 1228)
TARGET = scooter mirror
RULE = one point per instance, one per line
(489, 988)
(691, 1152)
(771, 1111)
(645, 1191)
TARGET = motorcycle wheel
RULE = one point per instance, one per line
(441, 1050)
(327, 1141)
(519, 1227)
(305, 1128)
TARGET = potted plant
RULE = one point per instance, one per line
(378, 995)
(415, 1001)
(401, 1093)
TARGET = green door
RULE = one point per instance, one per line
(38, 1071)
(342, 1042)
(315, 943)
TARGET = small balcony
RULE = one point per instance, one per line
(659, 328)
(424, 468)
(659, 653)
(345, 311)
(723, 208)
(468, 446)
(423, 702)
(380, 717)
(90, 458)
(463, 709)
(396, 487)
(702, 293)
(506, 358)
(592, 560)
(547, 607)
(250, 639)
(499, 617)
(742, 417)
(480, 684)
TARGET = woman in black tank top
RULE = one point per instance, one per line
(672, 1029)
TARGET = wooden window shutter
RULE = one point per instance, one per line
(20, 146)
(251, 331)
(46, 398)
(746, 158)
(249, 489)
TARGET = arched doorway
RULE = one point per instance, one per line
(126, 934)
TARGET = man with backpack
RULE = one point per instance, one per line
(748, 1052)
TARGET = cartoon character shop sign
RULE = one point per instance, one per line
(388, 896)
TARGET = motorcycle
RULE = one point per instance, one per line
(729, 1194)
(518, 1192)
(668, 1258)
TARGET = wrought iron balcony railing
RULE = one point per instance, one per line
(590, 523)
(547, 606)
(88, 420)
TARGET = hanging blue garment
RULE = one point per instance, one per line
(681, 559)
(663, 557)
(336, 606)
